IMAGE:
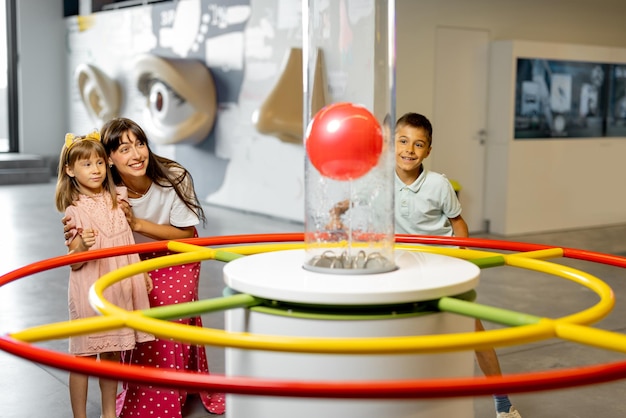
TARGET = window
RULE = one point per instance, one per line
(8, 92)
(4, 125)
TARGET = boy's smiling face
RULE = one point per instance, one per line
(412, 148)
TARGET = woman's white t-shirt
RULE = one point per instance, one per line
(162, 205)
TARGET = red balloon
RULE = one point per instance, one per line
(344, 141)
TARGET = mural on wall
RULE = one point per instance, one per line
(560, 99)
(616, 118)
(244, 45)
(180, 98)
(100, 94)
(284, 118)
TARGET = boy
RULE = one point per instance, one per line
(426, 204)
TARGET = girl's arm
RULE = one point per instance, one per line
(82, 242)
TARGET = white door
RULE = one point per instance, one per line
(460, 115)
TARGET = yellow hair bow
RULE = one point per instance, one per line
(71, 139)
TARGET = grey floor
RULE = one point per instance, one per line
(31, 231)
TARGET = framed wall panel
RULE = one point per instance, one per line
(560, 99)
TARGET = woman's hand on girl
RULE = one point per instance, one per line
(130, 217)
(68, 228)
(149, 283)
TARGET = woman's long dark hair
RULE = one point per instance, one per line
(159, 168)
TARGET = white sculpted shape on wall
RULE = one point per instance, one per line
(281, 114)
(181, 101)
(99, 93)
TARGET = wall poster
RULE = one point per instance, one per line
(564, 99)
(616, 118)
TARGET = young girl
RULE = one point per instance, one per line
(162, 205)
(86, 192)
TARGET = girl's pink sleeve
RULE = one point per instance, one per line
(122, 193)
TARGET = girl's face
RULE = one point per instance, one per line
(412, 148)
(89, 173)
(131, 157)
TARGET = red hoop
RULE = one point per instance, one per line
(392, 389)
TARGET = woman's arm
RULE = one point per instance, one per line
(68, 228)
(161, 232)
(154, 230)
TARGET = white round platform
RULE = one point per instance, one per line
(280, 275)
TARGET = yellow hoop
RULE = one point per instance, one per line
(565, 327)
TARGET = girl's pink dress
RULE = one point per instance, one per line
(176, 284)
(131, 294)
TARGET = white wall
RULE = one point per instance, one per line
(41, 76)
(548, 184)
(43, 55)
(600, 22)
(565, 187)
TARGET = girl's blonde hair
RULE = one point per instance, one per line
(74, 149)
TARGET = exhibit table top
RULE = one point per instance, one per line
(280, 275)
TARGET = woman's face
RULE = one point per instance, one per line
(131, 158)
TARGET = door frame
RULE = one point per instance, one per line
(461, 65)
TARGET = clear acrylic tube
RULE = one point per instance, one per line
(349, 60)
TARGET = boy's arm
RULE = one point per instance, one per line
(335, 215)
(459, 227)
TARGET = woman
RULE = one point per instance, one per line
(162, 206)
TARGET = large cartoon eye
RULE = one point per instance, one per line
(166, 105)
(180, 98)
